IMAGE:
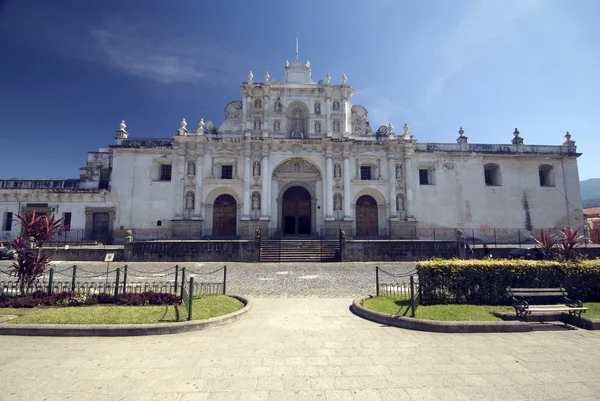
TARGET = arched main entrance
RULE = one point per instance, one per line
(296, 211)
(224, 215)
(366, 216)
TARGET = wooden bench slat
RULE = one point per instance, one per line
(536, 294)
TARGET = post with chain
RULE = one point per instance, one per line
(191, 299)
(50, 277)
(74, 278)
(412, 296)
(176, 278)
(117, 279)
(182, 281)
(224, 279)
(377, 280)
(125, 279)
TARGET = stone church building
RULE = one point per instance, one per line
(296, 157)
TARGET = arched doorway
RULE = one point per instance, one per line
(366, 216)
(224, 215)
(296, 211)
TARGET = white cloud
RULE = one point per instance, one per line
(135, 50)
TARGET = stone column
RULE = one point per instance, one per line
(247, 178)
(392, 185)
(248, 113)
(198, 199)
(347, 205)
(266, 191)
(177, 182)
(328, 124)
(409, 192)
(265, 122)
(180, 181)
(344, 125)
(328, 189)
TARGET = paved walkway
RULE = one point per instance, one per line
(304, 349)
(326, 280)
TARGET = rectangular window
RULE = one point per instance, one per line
(8, 222)
(365, 172)
(226, 172)
(424, 176)
(104, 179)
(67, 221)
(542, 178)
(488, 177)
(165, 172)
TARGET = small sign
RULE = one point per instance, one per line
(109, 257)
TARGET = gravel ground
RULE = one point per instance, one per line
(322, 280)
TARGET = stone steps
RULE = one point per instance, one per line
(299, 251)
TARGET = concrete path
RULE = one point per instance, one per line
(304, 349)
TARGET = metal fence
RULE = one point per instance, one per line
(393, 285)
(125, 280)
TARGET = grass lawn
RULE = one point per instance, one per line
(594, 310)
(401, 307)
(204, 308)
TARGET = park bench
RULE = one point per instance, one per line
(523, 308)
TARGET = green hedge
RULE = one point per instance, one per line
(485, 281)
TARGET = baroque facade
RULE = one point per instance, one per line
(296, 157)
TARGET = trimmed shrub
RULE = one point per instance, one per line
(485, 281)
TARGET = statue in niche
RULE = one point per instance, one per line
(399, 202)
(189, 201)
(257, 104)
(276, 126)
(336, 125)
(336, 105)
(317, 107)
(256, 169)
(191, 168)
(257, 124)
(337, 171)
(278, 106)
(317, 126)
(296, 167)
(337, 202)
(256, 201)
(399, 171)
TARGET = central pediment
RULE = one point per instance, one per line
(297, 73)
(296, 166)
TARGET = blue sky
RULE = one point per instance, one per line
(70, 71)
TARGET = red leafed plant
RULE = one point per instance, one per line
(31, 263)
(546, 240)
(569, 241)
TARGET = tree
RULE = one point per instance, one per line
(31, 263)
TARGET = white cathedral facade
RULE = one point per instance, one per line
(295, 157)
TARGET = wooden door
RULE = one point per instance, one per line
(366, 217)
(100, 230)
(225, 216)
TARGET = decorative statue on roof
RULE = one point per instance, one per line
(344, 79)
(267, 77)
(250, 77)
(328, 79)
